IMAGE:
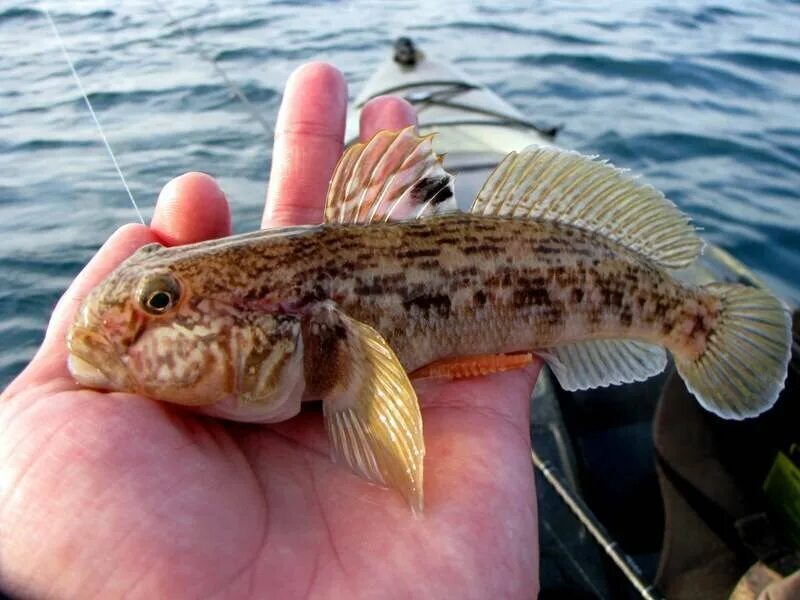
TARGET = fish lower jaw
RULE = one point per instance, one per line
(88, 375)
(93, 362)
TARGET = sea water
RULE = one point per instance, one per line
(701, 98)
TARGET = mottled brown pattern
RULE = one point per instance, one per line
(325, 353)
(440, 287)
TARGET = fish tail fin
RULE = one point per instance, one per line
(743, 367)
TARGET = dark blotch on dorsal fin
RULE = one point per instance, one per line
(395, 176)
(434, 190)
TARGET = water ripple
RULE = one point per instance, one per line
(677, 72)
(759, 61)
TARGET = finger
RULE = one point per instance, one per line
(308, 142)
(50, 362)
(385, 112)
(191, 208)
(481, 394)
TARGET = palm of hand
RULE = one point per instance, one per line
(110, 494)
(192, 506)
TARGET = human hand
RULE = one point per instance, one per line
(110, 494)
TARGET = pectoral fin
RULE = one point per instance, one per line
(371, 410)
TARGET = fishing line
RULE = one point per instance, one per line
(91, 111)
(624, 562)
(197, 46)
(565, 551)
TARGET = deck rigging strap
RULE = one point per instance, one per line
(444, 98)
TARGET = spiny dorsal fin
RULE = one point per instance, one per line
(557, 185)
(394, 176)
(598, 363)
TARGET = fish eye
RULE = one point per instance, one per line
(159, 293)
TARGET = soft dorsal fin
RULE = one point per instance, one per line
(396, 175)
(557, 185)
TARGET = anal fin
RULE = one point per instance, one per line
(473, 366)
(371, 410)
(598, 363)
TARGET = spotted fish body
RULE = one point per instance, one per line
(247, 327)
(461, 284)
(466, 284)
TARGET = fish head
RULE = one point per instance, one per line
(130, 329)
(151, 328)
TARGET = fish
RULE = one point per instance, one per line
(561, 256)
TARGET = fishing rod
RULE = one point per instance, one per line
(625, 563)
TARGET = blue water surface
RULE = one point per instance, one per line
(701, 97)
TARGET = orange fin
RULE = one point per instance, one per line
(473, 366)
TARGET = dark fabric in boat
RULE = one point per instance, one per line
(711, 472)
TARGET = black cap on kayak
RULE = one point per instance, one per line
(405, 52)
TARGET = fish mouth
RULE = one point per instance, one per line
(94, 363)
